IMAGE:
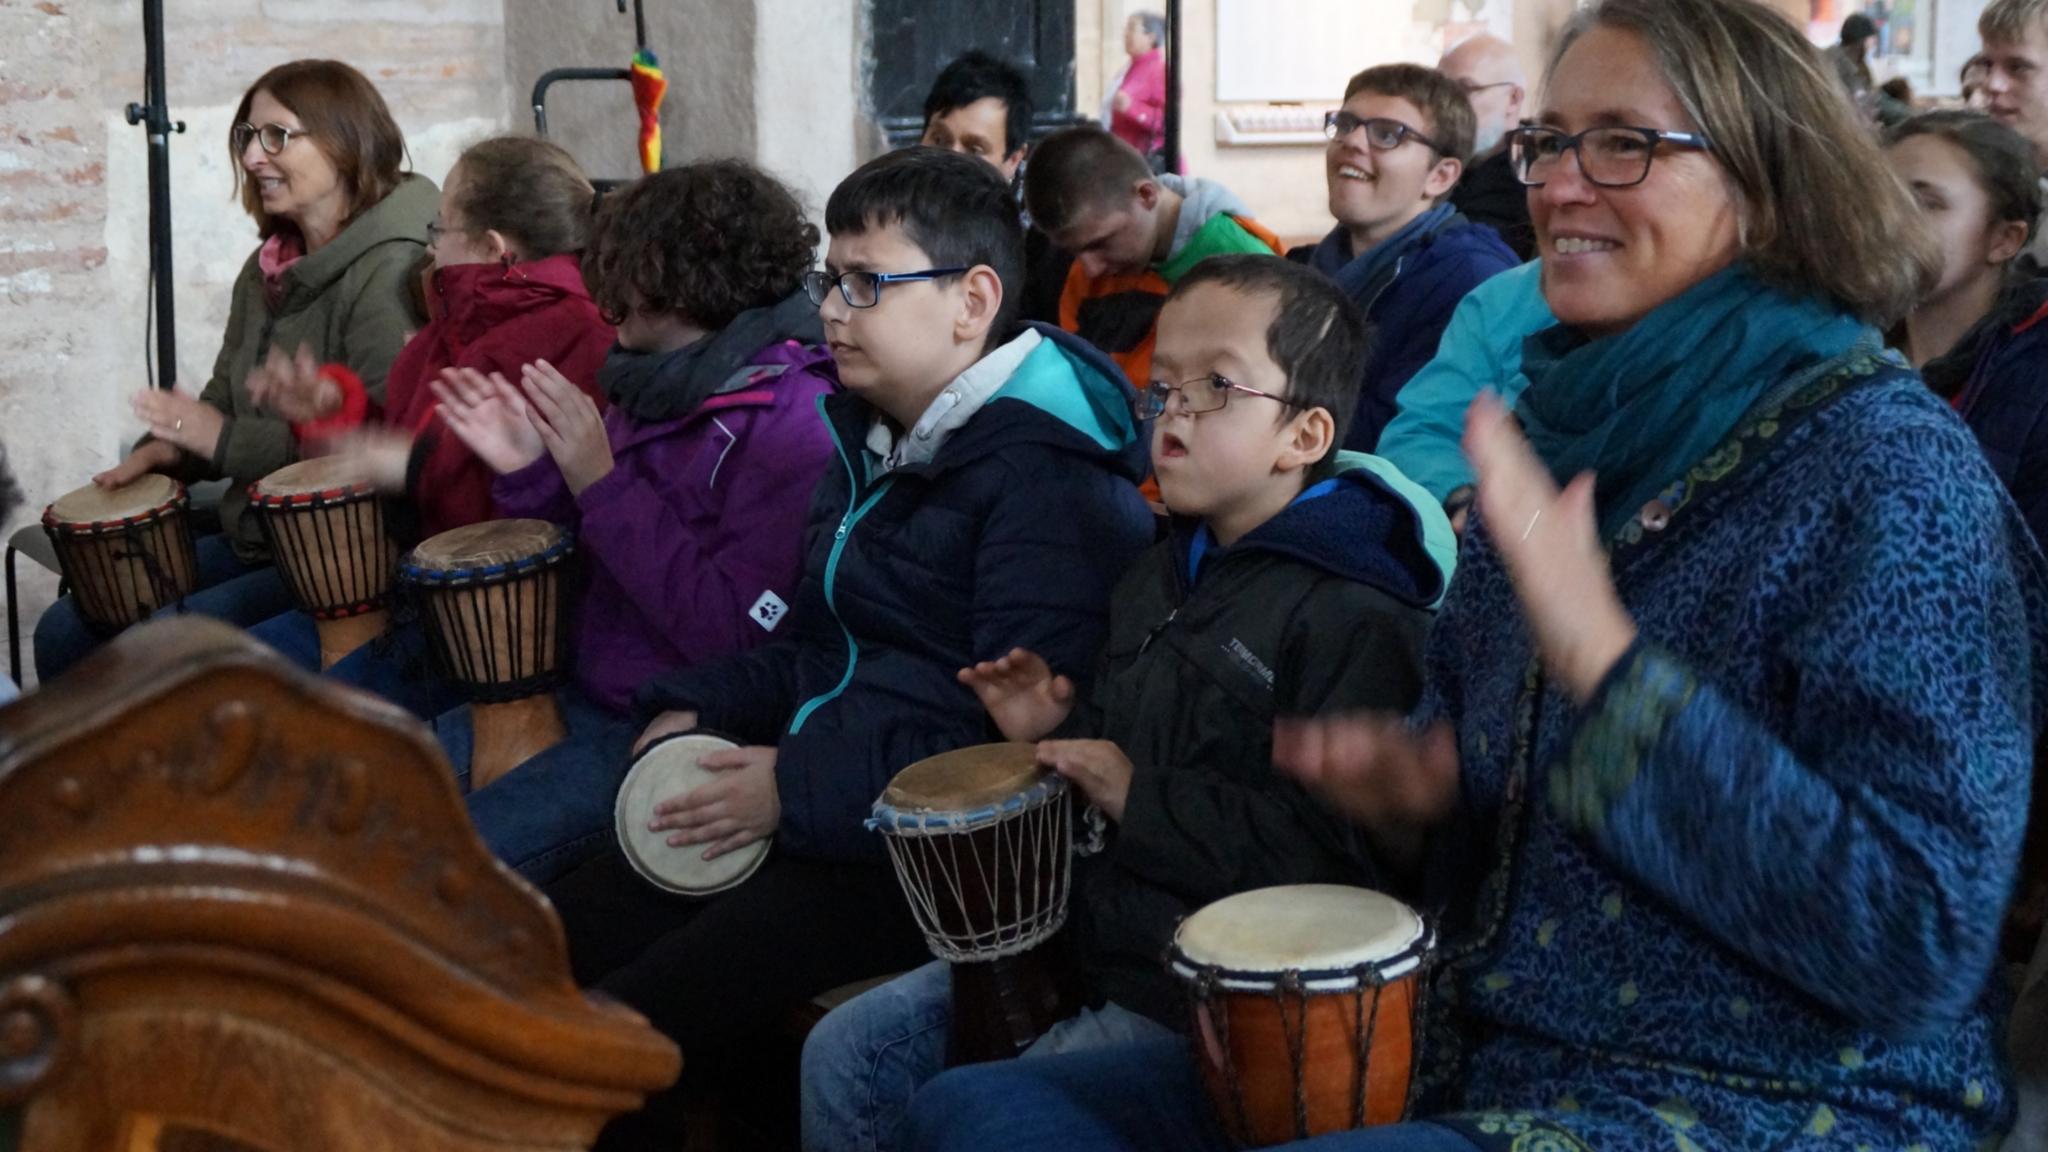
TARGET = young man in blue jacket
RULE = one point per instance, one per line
(984, 498)
(1402, 254)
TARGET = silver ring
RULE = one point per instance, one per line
(1532, 523)
(178, 425)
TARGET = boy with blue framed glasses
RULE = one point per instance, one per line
(982, 497)
(1295, 581)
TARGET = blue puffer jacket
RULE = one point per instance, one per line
(1998, 380)
(1407, 287)
(1011, 536)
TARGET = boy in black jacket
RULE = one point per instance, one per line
(1294, 582)
(984, 496)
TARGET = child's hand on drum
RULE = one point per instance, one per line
(737, 808)
(1021, 694)
(1375, 771)
(292, 388)
(1097, 767)
(149, 458)
(569, 424)
(490, 416)
(666, 724)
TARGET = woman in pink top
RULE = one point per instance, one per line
(1137, 112)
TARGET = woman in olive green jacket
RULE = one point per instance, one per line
(344, 229)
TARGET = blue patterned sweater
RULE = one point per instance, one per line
(1749, 897)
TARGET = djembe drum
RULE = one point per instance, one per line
(982, 840)
(666, 769)
(1304, 1001)
(125, 552)
(325, 524)
(497, 620)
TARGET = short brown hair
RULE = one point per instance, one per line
(1822, 213)
(530, 191)
(1449, 111)
(2008, 20)
(1078, 171)
(708, 240)
(344, 117)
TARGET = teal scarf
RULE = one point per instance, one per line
(1641, 407)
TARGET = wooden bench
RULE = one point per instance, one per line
(242, 908)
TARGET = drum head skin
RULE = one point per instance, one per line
(93, 504)
(485, 545)
(1323, 930)
(320, 474)
(668, 767)
(965, 779)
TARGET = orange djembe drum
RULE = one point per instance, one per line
(1304, 1001)
(498, 621)
(325, 522)
(125, 552)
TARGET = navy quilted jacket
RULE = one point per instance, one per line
(1013, 536)
(2002, 393)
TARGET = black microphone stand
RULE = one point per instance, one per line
(155, 117)
(1170, 149)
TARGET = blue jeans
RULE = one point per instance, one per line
(554, 811)
(1142, 1096)
(396, 665)
(864, 1061)
(223, 587)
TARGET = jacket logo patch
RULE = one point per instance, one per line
(1245, 659)
(768, 611)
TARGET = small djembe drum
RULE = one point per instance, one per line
(125, 552)
(496, 617)
(325, 523)
(1305, 1001)
(982, 839)
(664, 770)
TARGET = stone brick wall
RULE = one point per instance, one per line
(74, 195)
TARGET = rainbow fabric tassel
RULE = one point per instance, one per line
(649, 87)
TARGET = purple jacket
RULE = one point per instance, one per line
(694, 542)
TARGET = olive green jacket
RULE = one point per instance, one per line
(352, 303)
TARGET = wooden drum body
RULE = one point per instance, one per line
(326, 528)
(1305, 1001)
(493, 596)
(982, 840)
(125, 552)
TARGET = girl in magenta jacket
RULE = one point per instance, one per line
(688, 496)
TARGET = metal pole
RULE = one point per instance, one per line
(155, 117)
(1170, 149)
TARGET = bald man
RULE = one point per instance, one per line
(1487, 68)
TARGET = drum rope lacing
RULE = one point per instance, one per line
(473, 613)
(332, 548)
(1293, 984)
(99, 580)
(925, 848)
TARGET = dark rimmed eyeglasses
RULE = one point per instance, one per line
(1608, 156)
(864, 289)
(1202, 394)
(1614, 157)
(273, 137)
(1381, 134)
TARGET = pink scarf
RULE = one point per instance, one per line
(276, 258)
